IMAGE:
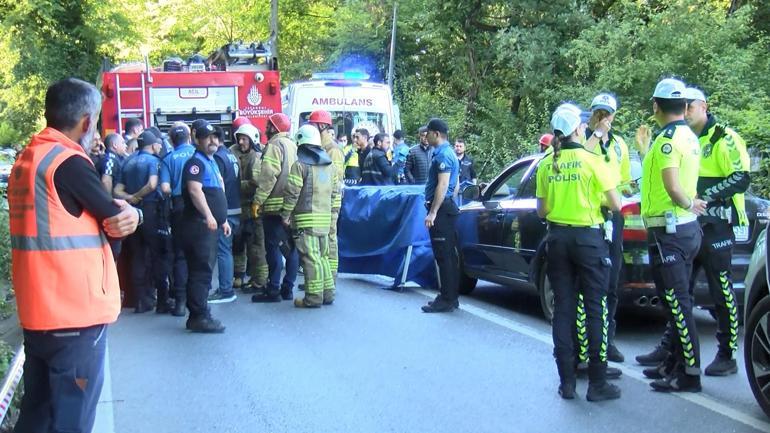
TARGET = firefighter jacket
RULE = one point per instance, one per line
(338, 160)
(312, 188)
(278, 157)
(64, 273)
(724, 173)
(248, 161)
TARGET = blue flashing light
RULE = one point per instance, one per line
(350, 76)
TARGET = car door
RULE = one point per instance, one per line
(523, 229)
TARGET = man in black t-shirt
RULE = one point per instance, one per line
(205, 210)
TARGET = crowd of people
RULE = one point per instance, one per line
(695, 171)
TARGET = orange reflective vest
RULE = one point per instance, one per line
(63, 271)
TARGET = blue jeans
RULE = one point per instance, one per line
(225, 256)
(275, 235)
(63, 377)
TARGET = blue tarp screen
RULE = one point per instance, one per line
(377, 224)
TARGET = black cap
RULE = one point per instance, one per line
(202, 128)
(437, 125)
(178, 133)
(147, 138)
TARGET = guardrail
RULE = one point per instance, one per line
(11, 381)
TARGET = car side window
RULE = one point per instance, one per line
(507, 188)
(529, 188)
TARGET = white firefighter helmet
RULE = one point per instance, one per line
(250, 131)
(308, 134)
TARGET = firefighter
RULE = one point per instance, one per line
(669, 209)
(572, 186)
(312, 186)
(723, 179)
(442, 215)
(323, 121)
(171, 170)
(279, 155)
(205, 210)
(148, 268)
(249, 239)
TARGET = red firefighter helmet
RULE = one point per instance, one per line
(545, 141)
(240, 121)
(280, 121)
(320, 116)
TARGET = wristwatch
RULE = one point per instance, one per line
(141, 216)
(598, 134)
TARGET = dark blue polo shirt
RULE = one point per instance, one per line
(137, 171)
(200, 168)
(230, 169)
(110, 165)
(444, 161)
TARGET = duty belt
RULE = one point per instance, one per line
(660, 221)
(595, 226)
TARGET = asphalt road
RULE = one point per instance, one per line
(373, 362)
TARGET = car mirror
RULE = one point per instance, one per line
(471, 192)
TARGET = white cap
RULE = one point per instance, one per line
(604, 101)
(570, 106)
(669, 88)
(693, 94)
(565, 120)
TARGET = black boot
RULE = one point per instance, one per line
(677, 381)
(612, 373)
(598, 387)
(179, 306)
(653, 358)
(722, 365)
(567, 379)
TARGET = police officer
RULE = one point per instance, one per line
(310, 192)
(229, 168)
(322, 120)
(279, 155)
(442, 214)
(572, 186)
(723, 178)
(669, 209)
(205, 210)
(614, 151)
(148, 270)
(109, 166)
(171, 171)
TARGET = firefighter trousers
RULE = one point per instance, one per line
(671, 257)
(333, 248)
(314, 256)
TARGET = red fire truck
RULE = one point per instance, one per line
(237, 80)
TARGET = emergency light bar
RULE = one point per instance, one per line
(340, 76)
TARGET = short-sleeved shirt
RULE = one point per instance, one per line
(615, 153)
(727, 156)
(444, 160)
(110, 166)
(203, 169)
(574, 194)
(137, 171)
(675, 146)
(172, 166)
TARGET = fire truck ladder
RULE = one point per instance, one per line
(130, 113)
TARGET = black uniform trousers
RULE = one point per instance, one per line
(443, 240)
(613, 291)
(199, 250)
(578, 267)
(149, 257)
(715, 257)
(179, 263)
(63, 377)
(276, 236)
(671, 257)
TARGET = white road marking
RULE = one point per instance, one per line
(105, 409)
(699, 399)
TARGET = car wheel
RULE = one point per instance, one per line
(546, 293)
(756, 351)
(467, 284)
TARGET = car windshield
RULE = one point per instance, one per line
(347, 122)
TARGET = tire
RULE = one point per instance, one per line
(467, 284)
(756, 351)
(545, 292)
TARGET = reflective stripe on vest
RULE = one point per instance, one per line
(44, 241)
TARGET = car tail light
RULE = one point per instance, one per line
(634, 229)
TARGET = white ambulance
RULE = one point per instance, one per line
(353, 102)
